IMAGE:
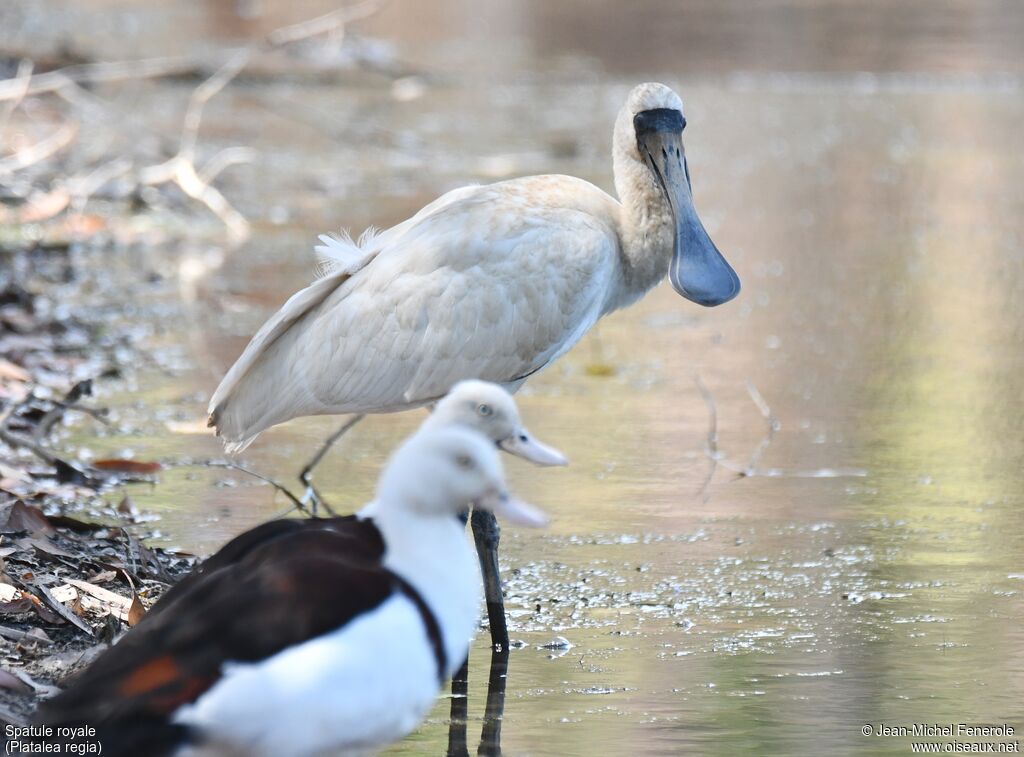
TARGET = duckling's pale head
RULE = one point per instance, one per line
(490, 410)
(440, 471)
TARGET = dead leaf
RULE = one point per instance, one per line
(22, 517)
(126, 466)
(74, 524)
(38, 634)
(104, 595)
(43, 545)
(12, 682)
(127, 507)
(14, 475)
(21, 604)
(70, 474)
(136, 612)
(12, 371)
(44, 612)
(8, 592)
(41, 689)
(148, 561)
(41, 207)
(62, 611)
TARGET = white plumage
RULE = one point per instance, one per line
(347, 693)
(373, 680)
(307, 638)
(491, 282)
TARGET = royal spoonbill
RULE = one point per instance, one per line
(490, 282)
(310, 649)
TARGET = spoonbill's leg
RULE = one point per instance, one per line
(490, 734)
(486, 534)
(311, 495)
(459, 713)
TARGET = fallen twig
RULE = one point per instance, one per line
(63, 469)
(328, 22)
(41, 150)
(150, 68)
(17, 440)
(70, 402)
(181, 168)
(97, 73)
(22, 79)
(248, 471)
(15, 635)
(83, 186)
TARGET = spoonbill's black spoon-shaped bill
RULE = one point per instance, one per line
(698, 271)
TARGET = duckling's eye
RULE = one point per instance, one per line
(484, 410)
(464, 461)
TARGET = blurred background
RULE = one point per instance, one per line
(786, 517)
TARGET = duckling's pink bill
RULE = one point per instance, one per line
(515, 511)
(523, 444)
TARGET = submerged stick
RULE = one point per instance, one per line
(750, 470)
(711, 442)
(248, 471)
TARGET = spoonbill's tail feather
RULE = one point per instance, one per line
(340, 253)
(252, 396)
(236, 448)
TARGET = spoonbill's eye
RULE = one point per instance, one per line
(464, 461)
(484, 410)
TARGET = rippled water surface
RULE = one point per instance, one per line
(785, 518)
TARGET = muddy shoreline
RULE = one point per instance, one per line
(75, 568)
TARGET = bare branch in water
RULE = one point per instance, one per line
(750, 470)
(298, 505)
(151, 68)
(41, 150)
(181, 168)
(98, 73)
(82, 186)
(324, 24)
(19, 88)
(773, 426)
(711, 443)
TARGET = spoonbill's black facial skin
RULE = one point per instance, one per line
(698, 271)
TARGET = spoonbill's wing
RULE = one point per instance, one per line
(297, 306)
(489, 286)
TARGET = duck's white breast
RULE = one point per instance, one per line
(348, 692)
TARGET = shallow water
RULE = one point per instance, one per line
(868, 568)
